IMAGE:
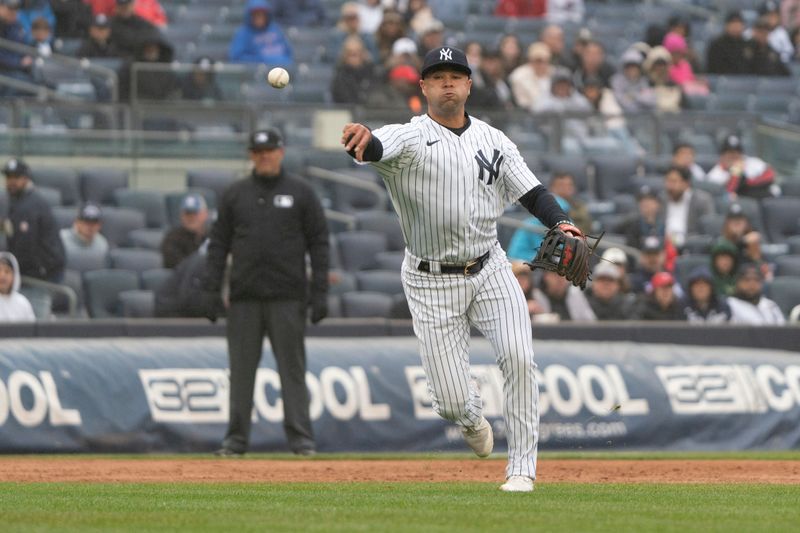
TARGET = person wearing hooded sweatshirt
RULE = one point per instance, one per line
(724, 260)
(260, 39)
(702, 305)
(14, 307)
(129, 31)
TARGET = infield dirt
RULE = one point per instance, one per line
(193, 470)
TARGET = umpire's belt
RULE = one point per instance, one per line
(468, 269)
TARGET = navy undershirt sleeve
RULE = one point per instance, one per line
(372, 152)
(542, 204)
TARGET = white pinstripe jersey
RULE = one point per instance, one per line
(449, 190)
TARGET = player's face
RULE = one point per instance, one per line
(6, 278)
(267, 162)
(446, 91)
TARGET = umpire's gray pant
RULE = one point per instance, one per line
(283, 321)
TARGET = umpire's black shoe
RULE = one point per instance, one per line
(227, 452)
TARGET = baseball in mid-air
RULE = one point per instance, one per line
(278, 77)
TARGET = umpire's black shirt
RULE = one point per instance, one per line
(268, 224)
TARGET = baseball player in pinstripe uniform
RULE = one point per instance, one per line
(450, 177)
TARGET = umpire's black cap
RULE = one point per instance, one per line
(445, 57)
(267, 139)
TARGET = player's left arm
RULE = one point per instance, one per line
(523, 186)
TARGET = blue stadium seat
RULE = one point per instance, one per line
(118, 222)
(357, 249)
(135, 259)
(361, 304)
(153, 278)
(98, 184)
(149, 238)
(149, 202)
(385, 281)
(781, 217)
(137, 303)
(384, 222)
(102, 289)
(787, 265)
(63, 179)
(214, 179)
(785, 291)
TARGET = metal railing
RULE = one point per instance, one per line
(55, 289)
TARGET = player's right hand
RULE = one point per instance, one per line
(355, 138)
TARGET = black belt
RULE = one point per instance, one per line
(468, 269)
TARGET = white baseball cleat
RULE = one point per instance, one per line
(517, 484)
(480, 438)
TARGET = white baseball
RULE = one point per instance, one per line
(278, 77)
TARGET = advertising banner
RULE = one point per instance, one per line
(171, 395)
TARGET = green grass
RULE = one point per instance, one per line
(418, 507)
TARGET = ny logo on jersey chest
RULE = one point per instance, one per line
(491, 167)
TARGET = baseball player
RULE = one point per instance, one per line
(450, 177)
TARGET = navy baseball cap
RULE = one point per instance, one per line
(193, 203)
(16, 167)
(90, 213)
(101, 21)
(732, 143)
(445, 57)
(267, 139)
(652, 244)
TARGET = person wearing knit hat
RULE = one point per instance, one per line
(748, 303)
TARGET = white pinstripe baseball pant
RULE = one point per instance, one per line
(443, 307)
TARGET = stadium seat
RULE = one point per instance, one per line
(385, 281)
(153, 278)
(383, 222)
(794, 244)
(615, 174)
(791, 188)
(357, 249)
(136, 259)
(3, 203)
(750, 206)
(149, 202)
(334, 257)
(738, 84)
(102, 288)
(98, 184)
(118, 222)
(787, 265)
(85, 261)
(63, 179)
(781, 217)
(785, 291)
(684, 264)
(137, 303)
(334, 306)
(711, 224)
(64, 216)
(341, 281)
(40, 299)
(213, 179)
(698, 244)
(51, 195)
(729, 102)
(362, 304)
(146, 238)
(389, 260)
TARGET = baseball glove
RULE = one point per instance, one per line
(565, 254)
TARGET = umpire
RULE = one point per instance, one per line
(268, 222)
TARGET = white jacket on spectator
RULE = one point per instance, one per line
(14, 307)
(528, 88)
(765, 313)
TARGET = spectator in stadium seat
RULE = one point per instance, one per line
(355, 77)
(524, 244)
(496, 93)
(562, 97)
(684, 205)
(99, 43)
(201, 82)
(742, 175)
(350, 24)
(553, 37)
(402, 90)
(42, 38)
(31, 10)
(391, 28)
(418, 15)
(608, 119)
(735, 226)
(431, 36)
(181, 295)
(562, 184)
(726, 52)
(31, 231)
(404, 52)
(520, 8)
(681, 71)
(531, 82)
(779, 38)
(84, 237)
(683, 155)
(13, 64)
(748, 303)
(790, 14)
(149, 10)
(651, 260)
(510, 50)
(370, 14)
(129, 31)
(761, 59)
(724, 261)
(605, 295)
(298, 13)
(751, 252)
(155, 83)
(630, 85)
(260, 39)
(702, 305)
(558, 296)
(646, 222)
(661, 303)
(14, 306)
(669, 96)
(180, 242)
(593, 64)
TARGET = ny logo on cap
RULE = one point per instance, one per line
(445, 54)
